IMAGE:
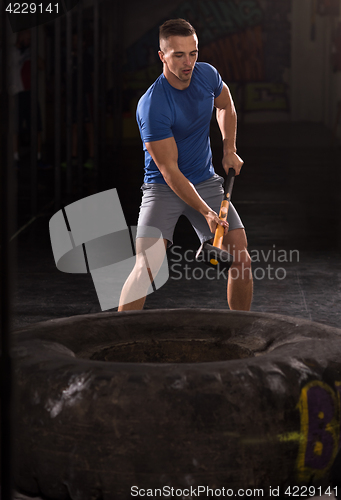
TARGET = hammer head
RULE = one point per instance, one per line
(214, 257)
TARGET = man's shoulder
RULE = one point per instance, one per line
(205, 68)
(209, 77)
(153, 93)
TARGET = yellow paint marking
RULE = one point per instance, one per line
(318, 448)
(290, 436)
(305, 472)
(214, 262)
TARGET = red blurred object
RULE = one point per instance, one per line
(336, 48)
(328, 7)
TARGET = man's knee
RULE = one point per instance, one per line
(141, 269)
(242, 256)
(241, 267)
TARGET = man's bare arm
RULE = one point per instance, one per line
(165, 155)
(227, 121)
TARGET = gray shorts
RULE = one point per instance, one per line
(161, 208)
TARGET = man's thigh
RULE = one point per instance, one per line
(160, 209)
(143, 244)
(150, 254)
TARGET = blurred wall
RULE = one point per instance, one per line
(315, 62)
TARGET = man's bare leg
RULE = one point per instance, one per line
(240, 283)
(141, 277)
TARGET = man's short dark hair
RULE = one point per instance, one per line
(175, 27)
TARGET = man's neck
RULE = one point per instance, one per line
(175, 82)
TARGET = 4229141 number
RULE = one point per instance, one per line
(311, 491)
(31, 8)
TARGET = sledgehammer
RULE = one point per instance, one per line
(213, 255)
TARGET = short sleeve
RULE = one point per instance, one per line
(213, 78)
(154, 118)
(217, 82)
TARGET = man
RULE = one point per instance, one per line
(174, 119)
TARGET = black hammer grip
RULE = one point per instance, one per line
(229, 183)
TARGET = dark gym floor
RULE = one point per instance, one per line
(288, 197)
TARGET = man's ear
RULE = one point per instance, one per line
(161, 54)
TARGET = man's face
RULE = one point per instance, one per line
(179, 55)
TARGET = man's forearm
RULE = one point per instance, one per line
(227, 121)
(186, 191)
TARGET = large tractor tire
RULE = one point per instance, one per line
(182, 399)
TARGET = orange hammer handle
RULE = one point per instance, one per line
(219, 233)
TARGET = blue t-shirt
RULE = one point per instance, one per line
(164, 111)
